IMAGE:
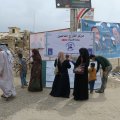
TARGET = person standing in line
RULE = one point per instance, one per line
(80, 91)
(35, 83)
(6, 73)
(23, 70)
(92, 76)
(106, 68)
(61, 83)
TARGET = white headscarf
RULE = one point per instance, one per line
(9, 54)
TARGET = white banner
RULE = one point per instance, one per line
(68, 42)
(50, 75)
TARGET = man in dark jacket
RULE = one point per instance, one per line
(106, 67)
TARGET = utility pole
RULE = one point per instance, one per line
(34, 21)
(73, 20)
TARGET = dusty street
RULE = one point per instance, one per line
(41, 106)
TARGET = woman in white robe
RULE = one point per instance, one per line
(6, 73)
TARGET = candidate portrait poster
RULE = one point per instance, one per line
(107, 37)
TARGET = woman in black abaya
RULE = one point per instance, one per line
(61, 83)
(80, 91)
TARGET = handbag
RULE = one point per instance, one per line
(56, 70)
(79, 70)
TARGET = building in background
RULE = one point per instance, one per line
(16, 40)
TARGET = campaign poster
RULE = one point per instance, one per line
(107, 37)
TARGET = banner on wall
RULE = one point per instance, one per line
(50, 75)
(107, 37)
(69, 42)
(73, 3)
(37, 40)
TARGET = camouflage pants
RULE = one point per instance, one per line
(105, 77)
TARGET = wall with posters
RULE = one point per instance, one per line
(107, 37)
(38, 41)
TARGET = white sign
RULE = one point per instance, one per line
(50, 75)
(68, 42)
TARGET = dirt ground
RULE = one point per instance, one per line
(41, 106)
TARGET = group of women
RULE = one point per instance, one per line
(61, 84)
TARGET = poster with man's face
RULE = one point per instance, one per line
(107, 37)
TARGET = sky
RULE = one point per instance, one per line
(42, 15)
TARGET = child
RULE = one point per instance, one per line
(92, 76)
(23, 70)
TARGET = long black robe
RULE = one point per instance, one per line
(61, 83)
(80, 91)
(35, 83)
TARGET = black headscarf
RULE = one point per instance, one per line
(84, 54)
